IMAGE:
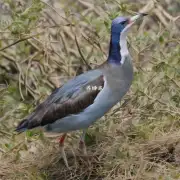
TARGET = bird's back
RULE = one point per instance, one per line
(87, 97)
(118, 79)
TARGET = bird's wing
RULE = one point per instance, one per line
(72, 98)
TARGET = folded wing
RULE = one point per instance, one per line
(71, 98)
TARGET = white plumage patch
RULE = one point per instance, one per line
(123, 43)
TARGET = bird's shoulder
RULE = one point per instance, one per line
(75, 86)
(72, 98)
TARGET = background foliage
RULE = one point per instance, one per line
(44, 43)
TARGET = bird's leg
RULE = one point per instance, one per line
(82, 145)
(61, 139)
(61, 145)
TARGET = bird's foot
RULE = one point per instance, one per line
(83, 151)
(82, 148)
(63, 154)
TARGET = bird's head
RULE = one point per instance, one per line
(123, 24)
(118, 45)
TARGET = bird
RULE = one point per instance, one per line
(83, 100)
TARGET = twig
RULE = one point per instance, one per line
(82, 57)
(33, 45)
(174, 81)
(4, 132)
(86, 4)
(2, 150)
(20, 40)
(148, 7)
(31, 91)
(94, 43)
(20, 89)
(17, 65)
(167, 15)
(18, 146)
(57, 12)
(161, 17)
(157, 100)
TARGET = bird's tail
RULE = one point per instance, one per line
(33, 120)
(23, 126)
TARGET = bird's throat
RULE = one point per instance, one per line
(114, 49)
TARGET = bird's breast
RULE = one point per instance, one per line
(119, 77)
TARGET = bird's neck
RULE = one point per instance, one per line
(118, 48)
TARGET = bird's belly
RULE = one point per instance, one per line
(78, 121)
(84, 119)
(103, 103)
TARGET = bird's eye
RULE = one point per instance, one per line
(124, 22)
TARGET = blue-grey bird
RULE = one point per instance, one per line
(86, 98)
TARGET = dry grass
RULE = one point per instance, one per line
(139, 138)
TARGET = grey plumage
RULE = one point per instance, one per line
(73, 106)
(117, 82)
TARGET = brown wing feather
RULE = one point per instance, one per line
(48, 114)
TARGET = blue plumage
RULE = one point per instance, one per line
(118, 25)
